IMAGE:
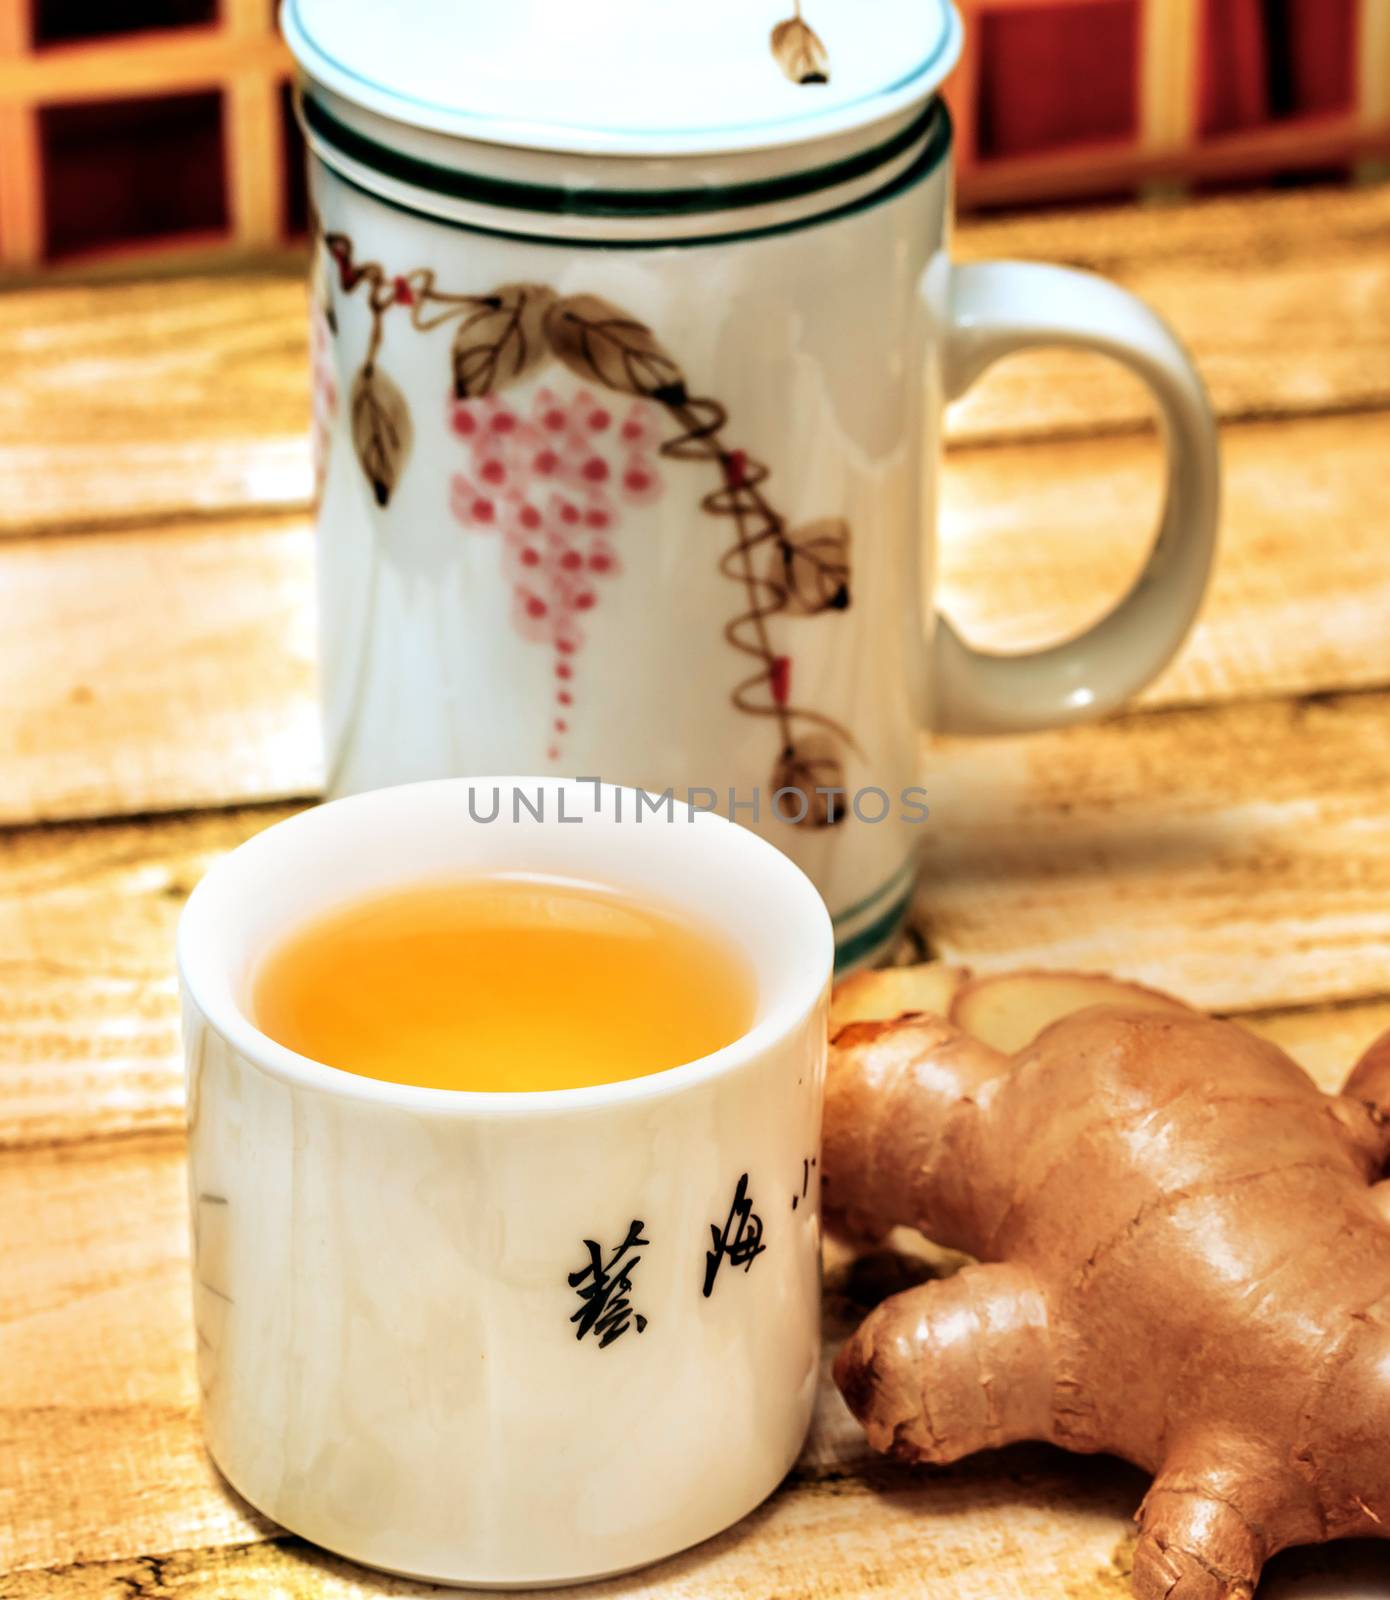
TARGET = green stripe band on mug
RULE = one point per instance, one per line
(869, 941)
(556, 200)
(928, 158)
(906, 873)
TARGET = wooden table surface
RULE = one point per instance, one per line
(1229, 838)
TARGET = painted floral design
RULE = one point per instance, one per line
(797, 49)
(550, 484)
(537, 483)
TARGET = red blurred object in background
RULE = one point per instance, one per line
(1270, 60)
(1058, 75)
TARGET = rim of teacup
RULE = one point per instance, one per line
(206, 962)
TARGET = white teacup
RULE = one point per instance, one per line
(476, 1337)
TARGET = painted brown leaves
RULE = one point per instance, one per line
(601, 342)
(810, 569)
(381, 430)
(811, 565)
(501, 339)
(799, 52)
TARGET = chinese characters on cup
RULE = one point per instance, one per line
(740, 1241)
(605, 1308)
(604, 1284)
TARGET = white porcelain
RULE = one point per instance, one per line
(797, 328)
(626, 76)
(385, 1292)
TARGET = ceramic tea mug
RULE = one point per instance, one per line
(634, 325)
(505, 1338)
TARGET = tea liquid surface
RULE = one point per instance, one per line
(503, 983)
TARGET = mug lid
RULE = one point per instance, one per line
(628, 77)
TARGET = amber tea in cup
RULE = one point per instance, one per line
(503, 983)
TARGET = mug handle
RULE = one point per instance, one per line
(993, 309)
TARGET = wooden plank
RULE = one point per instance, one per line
(157, 671)
(1103, 169)
(21, 169)
(21, 194)
(1246, 234)
(254, 162)
(248, 18)
(1168, 56)
(1239, 857)
(88, 1000)
(155, 62)
(98, 1443)
(923, 1539)
(15, 28)
(1245, 282)
(135, 402)
(1038, 540)
(1373, 61)
(129, 403)
(892, 1538)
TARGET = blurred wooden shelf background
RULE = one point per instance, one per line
(140, 129)
(168, 120)
(1065, 99)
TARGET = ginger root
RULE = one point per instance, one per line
(1183, 1258)
(894, 991)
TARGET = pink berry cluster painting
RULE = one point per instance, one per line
(550, 484)
(555, 475)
